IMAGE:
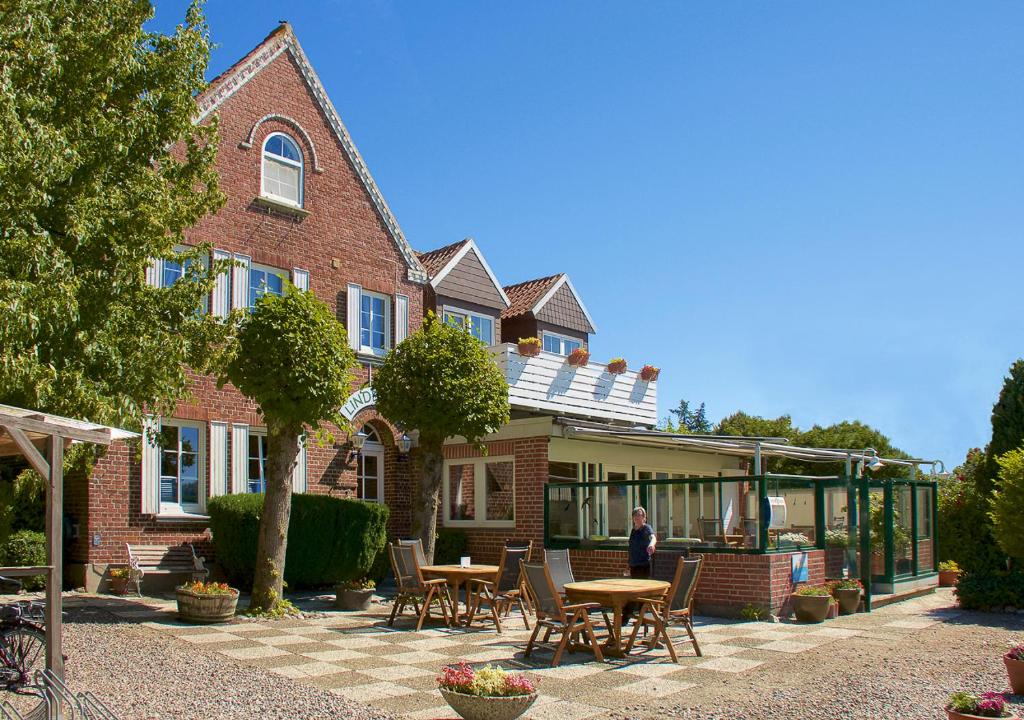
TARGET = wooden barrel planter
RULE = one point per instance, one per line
(206, 608)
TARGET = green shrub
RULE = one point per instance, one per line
(26, 547)
(329, 539)
(964, 529)
(990, 590)
(1008, 504)
(451, 545)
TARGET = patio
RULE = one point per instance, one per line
(357, 657)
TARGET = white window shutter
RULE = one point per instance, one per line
(221, 288)
(300, 278)
(240, 282)
(239, 458)
(218, 458)
(150, 466)
(354, 304)
(153, 272)
(401, 318)
(299, 473)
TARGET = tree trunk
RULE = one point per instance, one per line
(428, 498)
(282, 452)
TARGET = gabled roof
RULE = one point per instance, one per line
(438, 263)
(282, 40)
(524, 295)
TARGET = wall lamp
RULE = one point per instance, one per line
(873, 462)
(356, 442)
(404, 444)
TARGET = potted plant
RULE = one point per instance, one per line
(847, 594)
(1014, 661)
(489, 693)
(529, 347)
(119, 579)
(579, 357)
(354, 594)
(810, 603)
(206, 602)
(964, 706)
(649, 373)
(617, 366)
(949, 571)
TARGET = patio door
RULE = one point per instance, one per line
(619, 502)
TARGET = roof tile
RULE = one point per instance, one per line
(435, 260)
(525, 295)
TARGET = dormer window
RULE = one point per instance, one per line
(282, 170)
(560, 344)
(479, 326)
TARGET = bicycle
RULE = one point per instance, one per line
(22, 643)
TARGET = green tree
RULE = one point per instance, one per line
(293, 359)
(1008, 504)
(442, 382)
(743, 425)
(1007, 424)
(101, 169)
(964, 529)
(694, 422)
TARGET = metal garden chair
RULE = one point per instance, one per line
(552, 616)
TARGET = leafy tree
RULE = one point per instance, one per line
(442, 382)
(1008, 504)
(101, 169)
(964, 529)
(694, 422)
(744, 425)
(1007, 424)
(293, 359)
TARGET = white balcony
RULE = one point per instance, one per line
(548, 384)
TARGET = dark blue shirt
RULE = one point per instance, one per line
(639, 539)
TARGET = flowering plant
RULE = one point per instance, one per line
(120, 573)
(529, 341)
(949, 566)
(813, 591)
(208, 588)
(848, 584)
(488, 681)
(794, 538)
(836, 538)
(617, 366)
(649, 373)
(1016, 653)
(989, 704)
(579, 357)
(361, 584)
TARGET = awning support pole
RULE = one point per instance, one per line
(54, 556)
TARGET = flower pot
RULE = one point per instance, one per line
(476, 707)
(649, 373)
(193, 607)
(947, 578)
(345, 599)
(833, 611)
(1015, 670)
(529, 349)
(811, 608)
(119, 585)
(578, 358)
(849, 600)
(617, 368)
(954, 715)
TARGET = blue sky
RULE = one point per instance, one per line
(793, 207)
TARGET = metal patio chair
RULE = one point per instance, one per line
(417, 545)
(561, 571)
(413, 589)
(552, 616)
(675, 609)
(504, 592)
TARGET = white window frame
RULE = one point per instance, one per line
(254, 432)
(256, 267)
(184, 509)
(562, 340)
(447, 310)
(376, 449)
(366, 349)
(479, 492)
(265, 157)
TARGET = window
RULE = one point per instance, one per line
(373, 323)
(182, 464)
(370, 470)
(172, 272)
(560, 344)
(479, 326)
(282, 169)
(264, 280)
(480, 491)
(257, 463)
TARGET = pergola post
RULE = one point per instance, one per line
(54, 556)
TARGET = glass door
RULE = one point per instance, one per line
(619, 502)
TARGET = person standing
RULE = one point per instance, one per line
(642, 544)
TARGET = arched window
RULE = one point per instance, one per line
(282, 169)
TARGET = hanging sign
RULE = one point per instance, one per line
(357, 402)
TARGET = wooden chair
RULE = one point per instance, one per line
(675, 609)
(413, 589)
(506, 591)
(552, 615)
(523, 592)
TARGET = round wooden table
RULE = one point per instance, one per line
(614, 593)
(456, 575)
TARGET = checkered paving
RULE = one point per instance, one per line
(357, 656)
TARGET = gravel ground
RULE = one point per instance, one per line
(144, 675)
(905, 677)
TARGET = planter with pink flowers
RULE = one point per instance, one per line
(487, 693)
(1014, 661)
(968, 706)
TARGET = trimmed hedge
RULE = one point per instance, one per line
(450, 545)
(329, 539)
(991, 590)
(26, 548)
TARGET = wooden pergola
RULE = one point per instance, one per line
(41, 439)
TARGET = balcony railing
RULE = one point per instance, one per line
(549, 384)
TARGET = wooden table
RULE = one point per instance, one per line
(456, 575)
(614, 593)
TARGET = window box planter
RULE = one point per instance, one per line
(811, 608)
(529, 347)
(1015, 670)
(481, 707)
(195, 605)
(579, 357)
(617, 366)
(649, 373)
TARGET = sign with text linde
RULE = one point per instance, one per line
(357, 402)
